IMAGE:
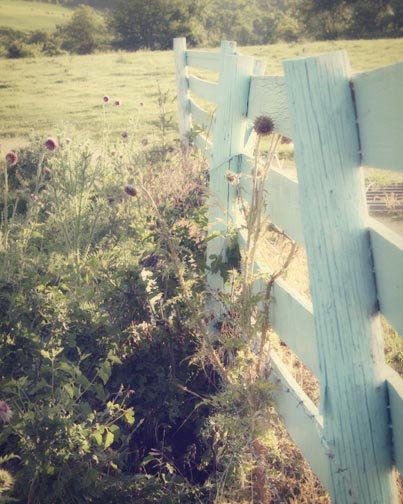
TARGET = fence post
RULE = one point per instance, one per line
(332, 201)
(229, 137)
(182, 88)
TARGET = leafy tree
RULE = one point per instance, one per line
(376, 18)
(85, 32)
(153, 24)
(252, 22)
(329, 19)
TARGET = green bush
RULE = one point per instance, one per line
(91, 326)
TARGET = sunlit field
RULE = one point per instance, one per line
(65, 92)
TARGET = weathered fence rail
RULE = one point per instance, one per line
(337, 123)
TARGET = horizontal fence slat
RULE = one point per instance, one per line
(203, 59)
(387, 250)
(282, 200)
(395, 392)
(201, 116)
(283, 205)
(291, 316)
(204, 89)
(268, 97)
(379, 104)
(204, 146)
(301, 418)
(292, 320)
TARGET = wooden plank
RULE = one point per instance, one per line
(201, 117)
(379, 104)
(204, 89)
(387, 251)
(395, 393)
(268, 97)
(182, 89)
(203, 145)
(229, 133)
(282, 206)
(203, 59)
(291, 315)
(301, 417)
(333, 207)
(292, 319)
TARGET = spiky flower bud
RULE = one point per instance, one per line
(263, 125)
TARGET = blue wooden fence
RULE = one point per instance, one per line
(338, 123)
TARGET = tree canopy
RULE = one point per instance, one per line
(153, 24)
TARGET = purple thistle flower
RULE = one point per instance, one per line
(12, 158)
(105, 99)
(263, 125)
(5, 412)
(118, 103)
(51, 144)
(131, 191)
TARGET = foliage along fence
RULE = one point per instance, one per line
(338, 123)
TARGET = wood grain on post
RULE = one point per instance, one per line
(230, 127)
(351, 357)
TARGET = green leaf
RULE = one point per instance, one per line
(97, 435)
(86, 410)
(109, 439)
(129, 416)
(115, 429)
(45, 354)
(105, 371)
(69, 389)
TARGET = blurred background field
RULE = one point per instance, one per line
(64, 92)
(21, 15)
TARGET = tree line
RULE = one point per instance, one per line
(135, 24)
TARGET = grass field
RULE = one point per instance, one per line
(27, 16)
(65, 92)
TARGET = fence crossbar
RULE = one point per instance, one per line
(204, 89)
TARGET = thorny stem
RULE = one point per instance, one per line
(254, 216)
(267, 299)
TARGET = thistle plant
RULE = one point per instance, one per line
(244, 333)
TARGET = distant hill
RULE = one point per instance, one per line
(28, 16)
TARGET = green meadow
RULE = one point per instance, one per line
(24, 16)
(64, 93)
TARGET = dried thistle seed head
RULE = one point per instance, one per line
(11, 158)
(263, 125)
(130, 190)
(232, 178)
